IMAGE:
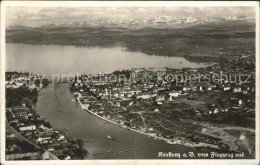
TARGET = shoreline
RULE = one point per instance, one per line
(147, 134)
(189, 58)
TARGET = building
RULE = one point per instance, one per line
(160, 97)
(14, 147)
(31, 155)
(237, 89)
(46, 155)
(10, 135)
(226, 88)
(200, 88)
(43, 139)
(143, 96)
(60, 137)
(27, 128)
(173, 94)
(240, 102)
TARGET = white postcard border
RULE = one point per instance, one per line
(126, 4)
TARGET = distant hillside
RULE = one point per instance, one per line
(200, 40)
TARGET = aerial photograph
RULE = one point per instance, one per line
(129, 82)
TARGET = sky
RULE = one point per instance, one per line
(38, 16)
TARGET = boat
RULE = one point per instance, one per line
(109, 137)
(89, 140)
(171, 142)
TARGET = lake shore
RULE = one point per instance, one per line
(99, 60)
(179, 142)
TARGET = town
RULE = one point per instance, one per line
(211, 107)
(28, 136)
(203, 107)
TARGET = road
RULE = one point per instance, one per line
(22, 138)
(143, 120)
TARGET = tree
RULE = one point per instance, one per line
(69, 152)
(220, 102)
(33, 111)
(82, 153)
(47, 124)
(37, 82)
(28, 103)
(80, 142)
(45, 82)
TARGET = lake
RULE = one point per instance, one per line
(57, 104)
(57, 59)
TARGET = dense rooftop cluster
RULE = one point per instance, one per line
(176, 104)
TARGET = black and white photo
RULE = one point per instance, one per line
(130, 81)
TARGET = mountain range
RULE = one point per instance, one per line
(158, 22)
(197, 39)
